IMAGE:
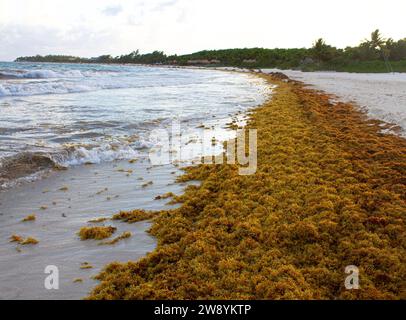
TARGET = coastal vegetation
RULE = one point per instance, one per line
(375, 54)
(329, 192)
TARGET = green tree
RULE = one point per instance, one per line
(322, 51)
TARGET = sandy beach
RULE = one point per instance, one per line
(65, 201)
(381, 95)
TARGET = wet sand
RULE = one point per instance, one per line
(93, 191)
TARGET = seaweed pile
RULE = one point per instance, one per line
(97, 232)
(329, 192)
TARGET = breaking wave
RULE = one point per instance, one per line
(39, 74)
(31, 164)
(57, 87)
(37, 82)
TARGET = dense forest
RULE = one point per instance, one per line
(376, 54)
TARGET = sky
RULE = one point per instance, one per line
(91, 28)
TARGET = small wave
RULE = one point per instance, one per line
(65, 86)
(42, 88)
(23, 165)
(28, 166)
(33, 74)
(39, 74)
(74, 155)
(51, 74)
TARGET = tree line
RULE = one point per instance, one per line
(374, 52)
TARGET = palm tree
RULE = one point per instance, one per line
(377, 42)
(322, 51)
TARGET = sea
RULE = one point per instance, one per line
(64, 115)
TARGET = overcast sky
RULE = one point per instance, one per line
(94, 27)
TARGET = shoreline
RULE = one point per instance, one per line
(289, 231)
(65, 200)
(177, 225)
(357, 68)
(65, 150)
(382, 97)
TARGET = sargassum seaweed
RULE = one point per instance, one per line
(329, 192)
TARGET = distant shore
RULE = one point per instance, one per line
(374, 55)
(356, 67)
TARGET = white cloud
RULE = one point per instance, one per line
(21, 40)
(160, 6)
(112, 10)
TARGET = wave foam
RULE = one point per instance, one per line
(55, 87)
(77, 155)
(28, 166)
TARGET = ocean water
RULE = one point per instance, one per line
(71, 114)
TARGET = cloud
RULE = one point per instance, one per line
(165, 4)
(112, 10)
(132, 20)
(24, 40)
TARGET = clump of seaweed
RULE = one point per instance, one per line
(98, 220)
(124, 235)
(30, 217)
(16, 238)
(86, 265)
(147, 184)
(134, 216)
(22, 241)
(125, 170)
(329, 192)
(165, 196)
(101, 191)
(96, 232)
(29, 240)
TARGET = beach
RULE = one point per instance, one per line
(328, 192)
(91, 193)
(381, 96)
(328, 195)
(97, 164)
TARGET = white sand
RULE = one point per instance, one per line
(382, 95)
